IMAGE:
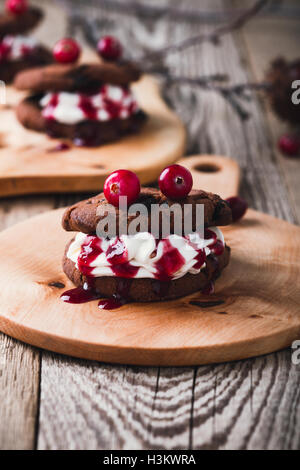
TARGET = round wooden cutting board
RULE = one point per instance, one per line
(255, 309)
(28, 163)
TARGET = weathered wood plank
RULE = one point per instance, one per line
(89, 405)
(171, 408)
(19, 364)
(86, 405)
(260, 44)
(19, 389)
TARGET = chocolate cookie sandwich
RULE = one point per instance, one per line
(89, 104)
(141, 261)
(17, 51)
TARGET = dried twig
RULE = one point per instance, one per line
(232, 94)
(212, 36)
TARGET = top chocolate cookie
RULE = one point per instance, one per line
(59, 77)
(84, 216)
(19, 24)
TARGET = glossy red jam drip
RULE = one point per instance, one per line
(120, 298)
(88, 293)
(169, 263)
(117, 256)
(117, 253)
(90, 250)
(110, 304)
(80, 295)
(125, 270)
(217, 247)
(113, 108)
(200, 259)
(87, 107)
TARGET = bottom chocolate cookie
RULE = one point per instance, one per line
(149, 290)
(88, 133)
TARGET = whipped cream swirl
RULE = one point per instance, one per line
(142, 256)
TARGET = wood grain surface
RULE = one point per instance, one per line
(249, 404)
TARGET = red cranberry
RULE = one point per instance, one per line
(121, 183)
(66, 51)
(17, 7)
(289, 145)
(109, 48)
(238, 207)
(175, 182)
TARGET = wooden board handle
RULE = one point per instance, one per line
(214, 173)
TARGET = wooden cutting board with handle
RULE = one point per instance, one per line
(254, 310)
(30, 163)
(214, 173)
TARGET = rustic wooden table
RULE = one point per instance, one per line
(48, 401)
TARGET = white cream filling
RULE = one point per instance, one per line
(68, 110)
(144, 253)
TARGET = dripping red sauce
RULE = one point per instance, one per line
(217, 247)
(82, 294)
(169, 263)
(87, 107)
(90, 250)
(51, 106)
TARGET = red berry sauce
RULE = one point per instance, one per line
(169, 263)
(87, 107)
